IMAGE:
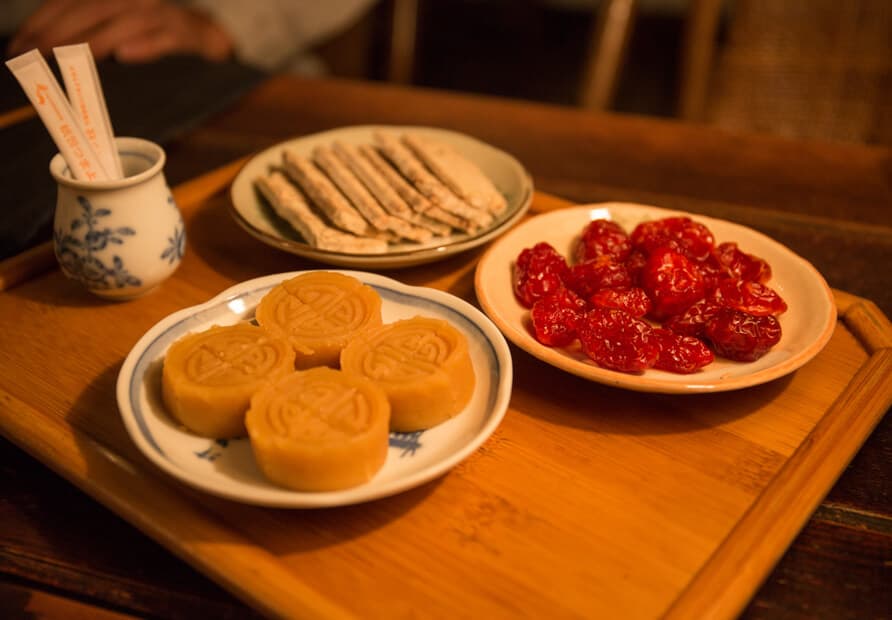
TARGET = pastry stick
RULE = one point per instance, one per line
(324, 195)
(427, 183)
(387, 196)
(291, 206)
(457, 172)
(410, 195)
(365, 203)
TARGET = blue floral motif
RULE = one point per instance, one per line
(76, 250)
(214, 450)
(176, 245)
(408, 442)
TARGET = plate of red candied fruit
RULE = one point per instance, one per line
(655, 300)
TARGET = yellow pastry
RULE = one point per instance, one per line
(208, 378)
(318, 313)
(319, 430)
(422, 364)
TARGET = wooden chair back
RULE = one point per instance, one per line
(817, 69)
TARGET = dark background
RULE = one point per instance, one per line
(525, 50)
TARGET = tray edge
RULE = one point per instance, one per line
(726, 583)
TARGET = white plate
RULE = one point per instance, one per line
(228, 469)
(807, 325)
(255, 216)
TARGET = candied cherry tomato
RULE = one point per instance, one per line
(692, 322)
(741, 336)
(616, 340)
(633, 300)
(682, 234)
(711, 299)
(739, 265)
(586, 278)
(554, 317)
(672, 281)
(538, 271)
(679, 353)
(750, 297)
(600, 238)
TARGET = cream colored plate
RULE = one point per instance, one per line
(227, 468)
(256, 217)
(807, 325)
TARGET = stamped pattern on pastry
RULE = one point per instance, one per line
(407, 354)
(227, 358)
(314, 409)
(318, 312)
(422, 363)
(319, 430)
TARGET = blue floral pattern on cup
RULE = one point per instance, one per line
(76, 250)
(176, 243)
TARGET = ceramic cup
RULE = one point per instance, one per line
(121, 238)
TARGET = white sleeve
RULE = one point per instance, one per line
(268, 33)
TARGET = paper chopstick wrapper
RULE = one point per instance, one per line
(84, 90)
(45, 94)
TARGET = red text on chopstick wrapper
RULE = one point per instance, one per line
(45, 94)
(81, 162)
(76, 96)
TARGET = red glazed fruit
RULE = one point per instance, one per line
(740, 336)
(672, 281)
(585, 279)
(555, 316)
(692, 322)
(538, 271)
(616, 340)
(711, 300)
(750, 297)
(603, 238)
(680, 354)
(739, 265)
(682, 234)
(632, 300)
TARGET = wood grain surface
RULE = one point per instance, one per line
(703, 494)
(827, 202)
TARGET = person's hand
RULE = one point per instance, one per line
(129, 30)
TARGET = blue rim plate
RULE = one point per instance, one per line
(226, 468)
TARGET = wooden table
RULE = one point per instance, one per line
(62, 553)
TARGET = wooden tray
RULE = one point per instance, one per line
(586, 501)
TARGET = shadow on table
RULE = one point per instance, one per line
(587, 405)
